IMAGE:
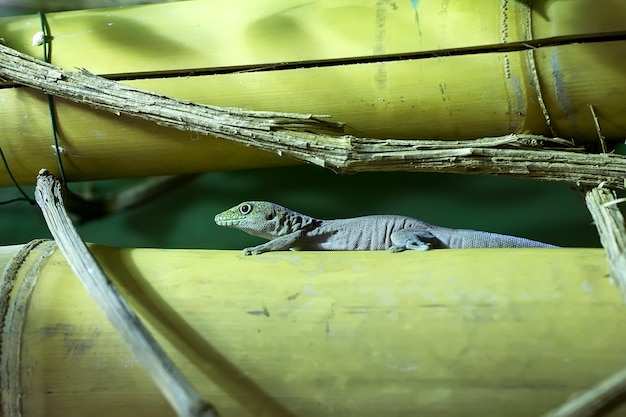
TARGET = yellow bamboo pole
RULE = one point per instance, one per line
(480, 92)
(318, 334)
(221, 34)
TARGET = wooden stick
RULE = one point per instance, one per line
(603, 206)
(609, 221)
(172, 383)
(587, 403)
(289, 134)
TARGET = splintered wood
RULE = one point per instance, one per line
(305, 137)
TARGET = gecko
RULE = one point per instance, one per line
(286, 229)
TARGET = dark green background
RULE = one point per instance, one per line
(549, 212)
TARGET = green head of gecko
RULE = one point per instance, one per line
(257, 218)
(242, 211)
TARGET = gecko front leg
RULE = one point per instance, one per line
(277, 244)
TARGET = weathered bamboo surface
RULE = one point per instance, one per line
(318, 334)
(216, 34)
(450, 71)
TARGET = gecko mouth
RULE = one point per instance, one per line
(226, 222)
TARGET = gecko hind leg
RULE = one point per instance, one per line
(413, 240)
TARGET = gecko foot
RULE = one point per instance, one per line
(413, 239)
(252, 251)
(417, 245)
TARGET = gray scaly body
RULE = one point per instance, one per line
(287, 229)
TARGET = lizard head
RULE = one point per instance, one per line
(258, 218)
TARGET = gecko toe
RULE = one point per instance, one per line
(418, 246)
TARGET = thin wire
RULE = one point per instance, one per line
(47, 52)
(25, 198)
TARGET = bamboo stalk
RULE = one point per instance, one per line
(215, 35)
(468, 71)
(321, 334)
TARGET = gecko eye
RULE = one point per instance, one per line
(245, 208)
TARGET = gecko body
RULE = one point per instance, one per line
(287, 229)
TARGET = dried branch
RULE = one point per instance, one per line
(603, 206)
(291, 135)
(172, 383)
(587, 403)
(510, 155)
(85, 208)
